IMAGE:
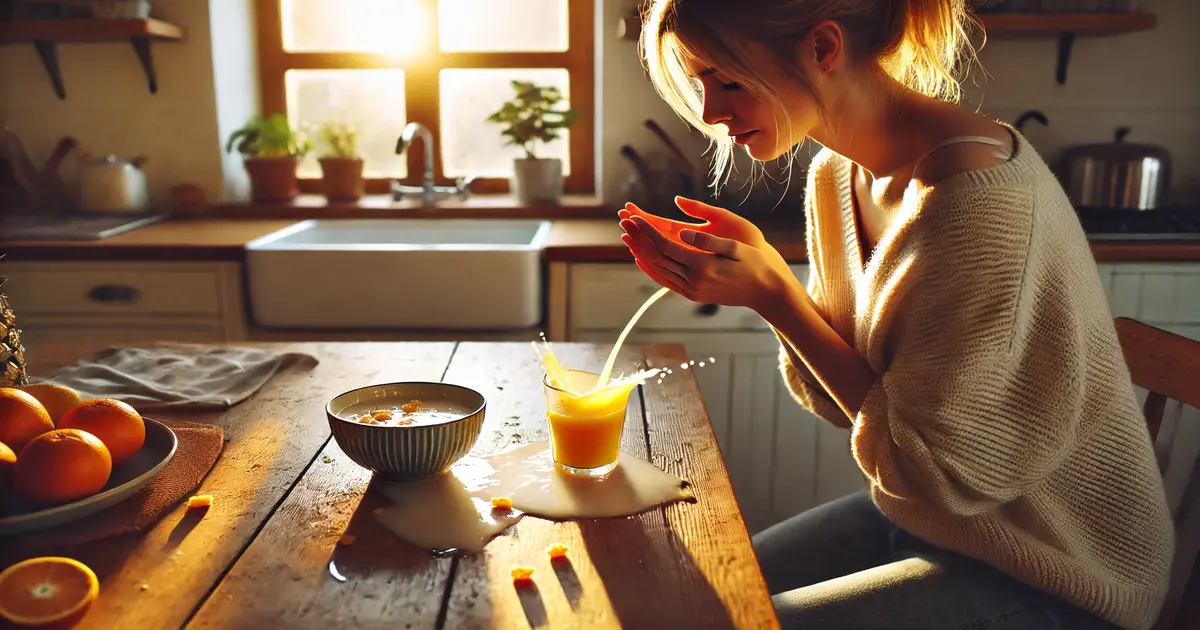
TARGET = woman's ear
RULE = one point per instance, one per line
(826, 45)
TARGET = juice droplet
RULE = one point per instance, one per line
(711, 360)
(691, 363)
(683, 366)
(701, 364)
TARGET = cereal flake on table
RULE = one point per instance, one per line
(199, 501)
(502, 503)
(557, 550)
(522, 574)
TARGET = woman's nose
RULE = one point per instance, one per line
(714, 111)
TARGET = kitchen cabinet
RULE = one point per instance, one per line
(782, 459)
(121, 302)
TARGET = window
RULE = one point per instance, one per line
(447, 64)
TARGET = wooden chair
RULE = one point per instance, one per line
(1168, 366)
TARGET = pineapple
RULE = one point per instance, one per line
(12, 354)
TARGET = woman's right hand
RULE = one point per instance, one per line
(715, 221)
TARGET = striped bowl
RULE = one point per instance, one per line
(406, 453)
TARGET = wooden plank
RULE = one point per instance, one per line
(271, 439)
(284, 575)
(716, 577)
(89, 30)
(606, 555)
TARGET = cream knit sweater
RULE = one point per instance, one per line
(1003, 424)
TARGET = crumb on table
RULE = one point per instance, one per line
(522, 574)
(502, 503)
(557, 550)
(200, 501)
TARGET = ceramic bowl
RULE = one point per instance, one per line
(406, 453)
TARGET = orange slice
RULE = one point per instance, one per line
(47, 592)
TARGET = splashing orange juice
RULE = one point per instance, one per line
(585, 429)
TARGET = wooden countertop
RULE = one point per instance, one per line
(267, 553)
(571, 240)
(174, 239)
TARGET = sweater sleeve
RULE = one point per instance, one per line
(801, 383)
(979, 394)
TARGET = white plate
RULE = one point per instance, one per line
(17, 515)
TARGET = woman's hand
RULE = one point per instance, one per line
(707, 268)
(714, 220)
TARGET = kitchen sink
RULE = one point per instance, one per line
(445, 274)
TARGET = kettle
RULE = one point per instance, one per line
(110, 184)
(1118, 175)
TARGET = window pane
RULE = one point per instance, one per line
(472, 146)
(380, 26)
(370, 100)
(502, 25)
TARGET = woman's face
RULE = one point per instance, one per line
(760, 126)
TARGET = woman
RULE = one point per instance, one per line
(953, 322)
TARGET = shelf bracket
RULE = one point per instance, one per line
(1065, 41)
(141, 46)
(49, 54)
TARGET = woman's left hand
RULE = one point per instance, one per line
(722, 271)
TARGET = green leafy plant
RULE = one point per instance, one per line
(533, 115)
(271, 136)
(339, 140)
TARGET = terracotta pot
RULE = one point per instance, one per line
(342, 177)
(273, 178)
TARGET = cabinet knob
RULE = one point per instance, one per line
(707, 310)
(115, 293)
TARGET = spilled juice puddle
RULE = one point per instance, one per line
(454, 511)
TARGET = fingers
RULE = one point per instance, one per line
(639, 228)
(706, 242)
(701, 210)
(669, 280)
(643, 250)
(657, 271)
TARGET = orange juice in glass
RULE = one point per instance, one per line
(585, 430)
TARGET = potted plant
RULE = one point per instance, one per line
(534, 115)
(271, 150)
(341, 165)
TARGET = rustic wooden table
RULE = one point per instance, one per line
(285, 494)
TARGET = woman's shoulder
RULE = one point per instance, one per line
(824, 165)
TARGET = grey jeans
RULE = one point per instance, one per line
(845, 565)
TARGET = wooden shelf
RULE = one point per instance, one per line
(45, 35)
(87, 31)
(1046, 24)
(1064, 26)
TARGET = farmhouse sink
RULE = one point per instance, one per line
(445, 274)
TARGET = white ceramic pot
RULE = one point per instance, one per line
(537, 180)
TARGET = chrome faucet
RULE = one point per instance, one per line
(427, 190)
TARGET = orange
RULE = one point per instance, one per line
(57, 399)
(117, 424)
(47, 592)
(7, 460)
(22, 418)
(62, 465)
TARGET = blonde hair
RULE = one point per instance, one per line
(919, 43)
